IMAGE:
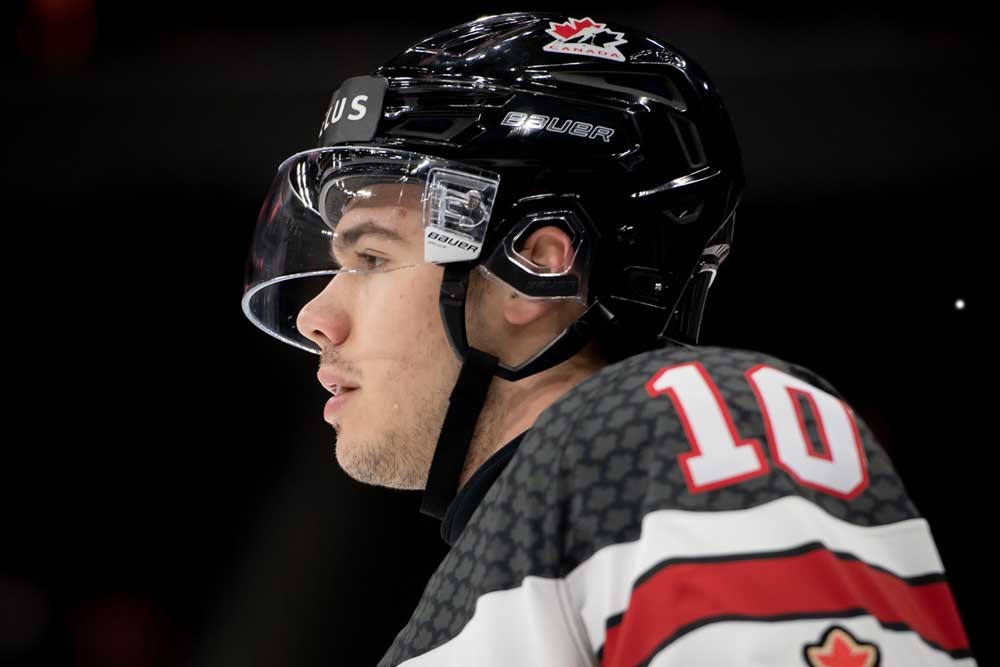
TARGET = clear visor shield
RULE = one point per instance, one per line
(359, 210)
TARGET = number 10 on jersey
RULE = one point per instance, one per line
(721, 457)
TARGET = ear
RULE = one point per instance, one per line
(549, 250)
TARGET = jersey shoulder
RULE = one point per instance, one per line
(713, 429)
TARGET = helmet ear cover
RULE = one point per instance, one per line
(454, 289)
(507, 263)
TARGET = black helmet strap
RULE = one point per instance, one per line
(464, 406)
(467, 397)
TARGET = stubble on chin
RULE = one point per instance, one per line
(396, 456)
(381, 461)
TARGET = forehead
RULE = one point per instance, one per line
(390, 211)
(406, 195)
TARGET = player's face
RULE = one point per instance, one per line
(383, 333)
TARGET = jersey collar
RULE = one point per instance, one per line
(472, 492)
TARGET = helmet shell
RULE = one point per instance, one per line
(619, 127)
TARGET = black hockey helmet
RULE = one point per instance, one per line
(509, 123)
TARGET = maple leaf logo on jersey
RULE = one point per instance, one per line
(840, 649)
(585, 37)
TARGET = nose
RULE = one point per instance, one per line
(324, 320)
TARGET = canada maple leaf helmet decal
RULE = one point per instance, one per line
(572, 27)
(585, 37)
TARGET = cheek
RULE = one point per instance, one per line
(425, 310)
(400, 310)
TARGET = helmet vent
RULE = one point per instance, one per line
(476, 35)
(438, 128)
(690, 141)
(634, 87)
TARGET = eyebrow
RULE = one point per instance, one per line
(348, 238)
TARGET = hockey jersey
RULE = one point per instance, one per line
(688, 506)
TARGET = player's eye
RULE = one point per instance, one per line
(370, 262)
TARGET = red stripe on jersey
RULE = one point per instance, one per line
(808, 584)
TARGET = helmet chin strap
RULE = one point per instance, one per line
(478, 369)
(467, 397)
(464, 407)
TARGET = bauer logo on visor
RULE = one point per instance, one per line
(354, 111)
(457, 208)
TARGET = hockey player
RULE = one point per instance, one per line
(501, 250)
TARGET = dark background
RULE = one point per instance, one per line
(170, 495)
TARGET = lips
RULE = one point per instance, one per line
(336, 402)
(334, 382)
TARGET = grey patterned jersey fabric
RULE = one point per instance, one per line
(595, 463)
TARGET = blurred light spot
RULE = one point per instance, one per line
(59, 34)
(24, 614)
(960, 304)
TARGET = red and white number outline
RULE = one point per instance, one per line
(755, 377)
(746, 468)
(730, 460)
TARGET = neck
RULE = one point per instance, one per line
(512, 408)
